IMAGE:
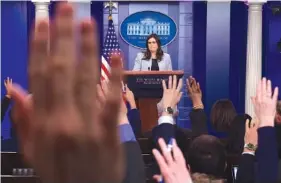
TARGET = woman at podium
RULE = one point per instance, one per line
(153, 59)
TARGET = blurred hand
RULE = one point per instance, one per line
(251, 134)
(173, 168)
(171, 94)
(66, 135)
(129, 96)
(265, 103)
(8, 85)
(194, 91)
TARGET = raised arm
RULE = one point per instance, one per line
(7, 98)
(171, 96)
(197, 116)
(265, 109)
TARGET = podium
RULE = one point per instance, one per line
(148, 91)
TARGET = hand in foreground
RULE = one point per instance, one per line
(173, 168)
(8, 85)
(265, 103)
(68, 137)
(171, 94)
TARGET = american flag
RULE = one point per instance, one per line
(110, 46)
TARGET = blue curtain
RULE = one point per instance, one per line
(97, 14)
(17, 19)
(238, 53)
(271, 35)
(199, 43)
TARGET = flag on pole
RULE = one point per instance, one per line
(111, 45)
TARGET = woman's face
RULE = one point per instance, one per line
(152, 45)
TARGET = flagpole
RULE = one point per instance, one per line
(110, 5)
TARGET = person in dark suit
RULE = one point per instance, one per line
(6, 100)
(167, 128)
(214, 163)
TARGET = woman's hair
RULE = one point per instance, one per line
(159, 52)
(204, 178)
(222, 114)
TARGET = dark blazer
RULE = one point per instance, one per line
(246, 170)
(182, 136)
(5, 103)
(267, 160)
(267, 156)
(135, 121)
(135, 169)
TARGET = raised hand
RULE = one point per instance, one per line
(194, 91)
(251, 134)
(171, 94)
(8, 85)
(173, 168)
(129, 96)
(265, 103)
(68, 137)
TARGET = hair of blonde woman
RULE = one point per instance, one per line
(204, 178)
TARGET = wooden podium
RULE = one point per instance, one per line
(147, 88)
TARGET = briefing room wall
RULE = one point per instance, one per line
(180, 49)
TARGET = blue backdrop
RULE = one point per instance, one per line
(16, 20)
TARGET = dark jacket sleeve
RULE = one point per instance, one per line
(236, 134)
(135, 121)
(135, 169)
(267, 156)
(198, 120)
(165, 131)
(246, 170)
(4, 106)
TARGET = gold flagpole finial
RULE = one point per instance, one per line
(110, 5)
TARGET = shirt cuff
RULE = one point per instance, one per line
(166, 119)
(126, 133)
(250, 153)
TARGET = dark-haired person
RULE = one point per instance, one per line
(225, 119)
(5, 103)
(153, 58)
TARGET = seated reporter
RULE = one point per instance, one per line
(153, 58)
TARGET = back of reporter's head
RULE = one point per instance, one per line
(207, 155)
(222, 114)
